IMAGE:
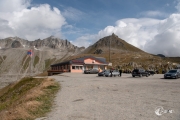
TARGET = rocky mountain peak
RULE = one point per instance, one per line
(113, 42)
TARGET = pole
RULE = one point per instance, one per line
(32, 52)
(110, 49)
(31, 61)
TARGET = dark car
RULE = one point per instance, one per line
(175, 73)
(150, 72)
(102, 73)
(91, 71)
(139, 72)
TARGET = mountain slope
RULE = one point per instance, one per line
(14, 58)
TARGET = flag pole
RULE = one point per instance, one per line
(31, 62)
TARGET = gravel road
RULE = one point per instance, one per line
(89, 97)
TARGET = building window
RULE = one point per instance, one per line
(73, 67)
(77, 67)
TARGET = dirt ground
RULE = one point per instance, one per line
(89, 97)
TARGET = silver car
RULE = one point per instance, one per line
(91, 71)
(114, 73)
(175, 73)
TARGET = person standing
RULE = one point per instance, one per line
(120, 72)
(111, 72)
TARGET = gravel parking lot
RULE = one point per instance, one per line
(89, 97)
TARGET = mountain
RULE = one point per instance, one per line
(113, 43)
(124, 55)
(14, 58)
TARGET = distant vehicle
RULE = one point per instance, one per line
(140, 73)
(102, 73)
(91, 71)
(114, 73)
(175, 73)
(150, 72)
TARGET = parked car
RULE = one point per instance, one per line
(150, 72)
(175, 73)
(102, 73)
(139, 72)
(91, 71)
(114, 73)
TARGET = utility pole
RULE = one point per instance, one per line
(110, 49)
(32, 59)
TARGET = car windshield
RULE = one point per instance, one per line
(135, 70)
(172, 71)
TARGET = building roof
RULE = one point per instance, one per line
(66, 62)
(81, 60)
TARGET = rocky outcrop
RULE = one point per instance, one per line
(50, 42)
(16, 44)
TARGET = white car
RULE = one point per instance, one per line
(114, 73)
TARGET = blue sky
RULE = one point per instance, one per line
(151, 25)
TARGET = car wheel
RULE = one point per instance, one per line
(133, 76)
(164, 77)
(147, 75)
(140, 75)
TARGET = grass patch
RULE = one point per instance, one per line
(27, 99)
(26, 61)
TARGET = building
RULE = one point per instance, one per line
(79, 65)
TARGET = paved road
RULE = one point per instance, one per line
(89, 97)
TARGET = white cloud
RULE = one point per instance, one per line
(72, 13)
(85, 40)
(19, 19)
(154, 14)
(167, 40)
(13, 5)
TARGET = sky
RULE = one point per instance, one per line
(151, 25)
